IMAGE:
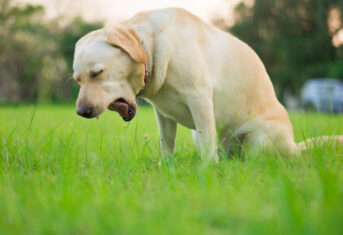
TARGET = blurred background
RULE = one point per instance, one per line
(300, 42)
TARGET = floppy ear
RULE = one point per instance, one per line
(127, 39)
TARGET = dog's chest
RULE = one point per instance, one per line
(171, 105)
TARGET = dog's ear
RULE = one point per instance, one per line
(127, 39)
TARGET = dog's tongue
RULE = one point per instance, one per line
(122, 108)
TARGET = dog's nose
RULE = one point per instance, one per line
(85, 111)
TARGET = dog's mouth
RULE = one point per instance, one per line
(126, 110)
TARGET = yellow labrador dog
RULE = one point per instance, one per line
(192, 73)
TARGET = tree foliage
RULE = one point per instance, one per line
(36, 54)
(293, 38)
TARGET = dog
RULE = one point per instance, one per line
(192, 73)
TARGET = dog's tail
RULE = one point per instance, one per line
(319, 141)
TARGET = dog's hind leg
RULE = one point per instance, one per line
(268, 135)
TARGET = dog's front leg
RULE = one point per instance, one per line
(205, 129)
(167, 132)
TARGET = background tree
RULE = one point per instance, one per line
(293, 38)
(36, 54)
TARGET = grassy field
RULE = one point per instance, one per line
(61, 174)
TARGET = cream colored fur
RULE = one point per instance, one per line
(201, 77)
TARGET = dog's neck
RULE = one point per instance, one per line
(156, 77)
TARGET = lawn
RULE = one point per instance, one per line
(61, 174)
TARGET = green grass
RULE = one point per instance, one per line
(61, 174)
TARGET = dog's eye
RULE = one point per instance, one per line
(93, 74)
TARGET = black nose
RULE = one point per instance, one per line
(85, 111)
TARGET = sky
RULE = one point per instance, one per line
(113, 10)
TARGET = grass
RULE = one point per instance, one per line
(61, 174)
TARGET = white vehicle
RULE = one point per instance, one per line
(323, 95)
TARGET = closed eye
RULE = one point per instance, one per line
(93, 74)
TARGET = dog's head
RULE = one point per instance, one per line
(109, 66)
